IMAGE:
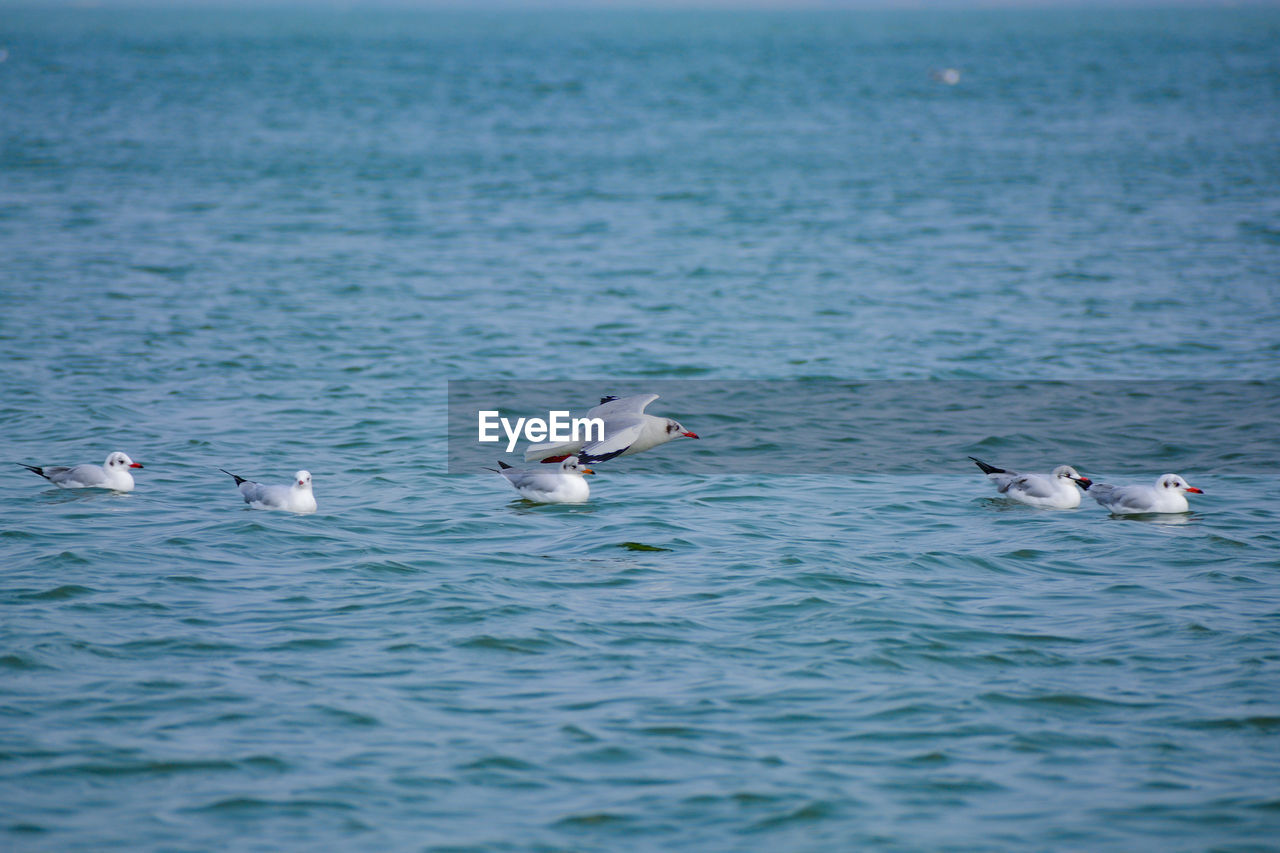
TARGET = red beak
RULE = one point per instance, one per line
(689, 434)
(1194, 489)
(136, 465)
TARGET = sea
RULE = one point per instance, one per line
(849, 249)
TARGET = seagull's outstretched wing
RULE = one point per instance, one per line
(612, 406)
(621, 434)
(624, 421)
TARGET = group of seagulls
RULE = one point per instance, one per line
(1061, 490)
(627, 431)
(114, 475)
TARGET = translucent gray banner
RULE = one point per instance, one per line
(1105, 428)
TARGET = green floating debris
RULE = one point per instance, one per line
(640, 546)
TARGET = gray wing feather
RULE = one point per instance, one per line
(1105, 493)
(265, 495)
(542, 481)
(1004, 480)
(1130, 498)
(1032, 486)
(89, 475)
(633, 405)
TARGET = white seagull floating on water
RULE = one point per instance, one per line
(114, 474)
(1047, 491)
(564, 485)
(295, 497)
(1169, 494)
(627, 430)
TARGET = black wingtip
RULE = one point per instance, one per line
(595, 459)
(238, 480)
(34, 469)
(988, 469)
(608, 399)
(504, 466)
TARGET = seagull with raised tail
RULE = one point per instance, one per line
(295, 497)
(113, 474)
(566, 484)
(627, 430)
(1057, 490)
(1169, 494)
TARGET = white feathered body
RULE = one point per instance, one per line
(565, 484)
(113, 474)
(1136, 500)
(627, 431)
(295, 497)
(1038, 490)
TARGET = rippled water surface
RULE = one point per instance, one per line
(265, 241)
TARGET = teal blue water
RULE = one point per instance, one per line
(267, 241)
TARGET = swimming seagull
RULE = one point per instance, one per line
(114, 474)
(1167, 495)
(1047, 491)
(627, 430)
(295, 497)
(565, 485)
